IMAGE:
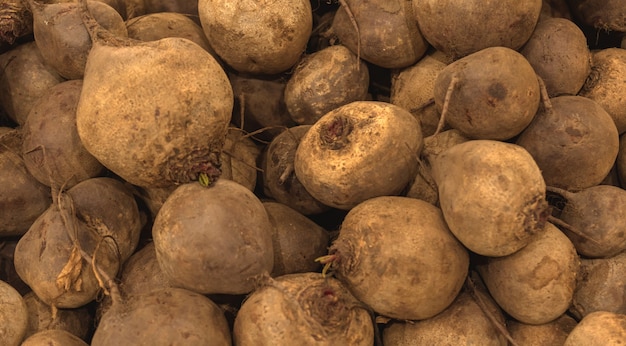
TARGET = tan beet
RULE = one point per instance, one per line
(358, 151)
(13, 316)
(25, 78)
(461, 28)
(600, 286)
(213, 240)
(605, 85)
(397, 255)
(78, 321)
(51, 148)
(168, 316)
(609, 15)
(573, 131)
(22, 197)
(323, 81)
(303, 309)
(257, 38)
(279, 179)
(412, 88)
(54, 337)
(598, 214)
(558, 52)
(297, 241)
(598, 329)
(155, 26)
(551, 333)
(170, 102)
(67, 53)
(489, 94)
(260, 105)
(492, 195)
(463, 323)
(239, 158)
(388, 32)
(536, 284)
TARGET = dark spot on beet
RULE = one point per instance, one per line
(497, 91)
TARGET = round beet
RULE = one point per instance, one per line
(213, 240)
(573, 132)
(598, 213)
(52, 150)
(397, 255)
(459, 28)
(489, 94)
(358, 151)
(303, 309)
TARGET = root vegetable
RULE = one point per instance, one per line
(16, 21)
(489, 94)
(558, 52)
(215, 240)
(22, 197)
(388, 35)
(14, 316)
(260, 105)
(573, 131)
(155, 113)
(608, 15)
(462, 323)
(303, 309)
(54, 337)
(48, 260)
(598, 213)
(256, 38)
(77, 321)
(494, 206)
(67, 53)
(423, 185)
(358, 151)
(166, 316)
(279, 179)
(598, 329)
(536, 284)
(51, 148)
(551, 333)
(239, 159)
(323, 81)
(155, 26)
(397, 255)
(24, 79)
(412, 88)
(297, 240)
(600, 286)
(605, 85)
(461, 28)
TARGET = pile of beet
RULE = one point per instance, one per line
(305, 172)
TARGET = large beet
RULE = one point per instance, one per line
(215, 240)
(303, 309)
(397, 255)
(492, 195)
(155, 113)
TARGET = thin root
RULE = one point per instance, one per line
(446, 101)
(345, 6)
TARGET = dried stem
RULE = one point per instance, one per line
(446, 101)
